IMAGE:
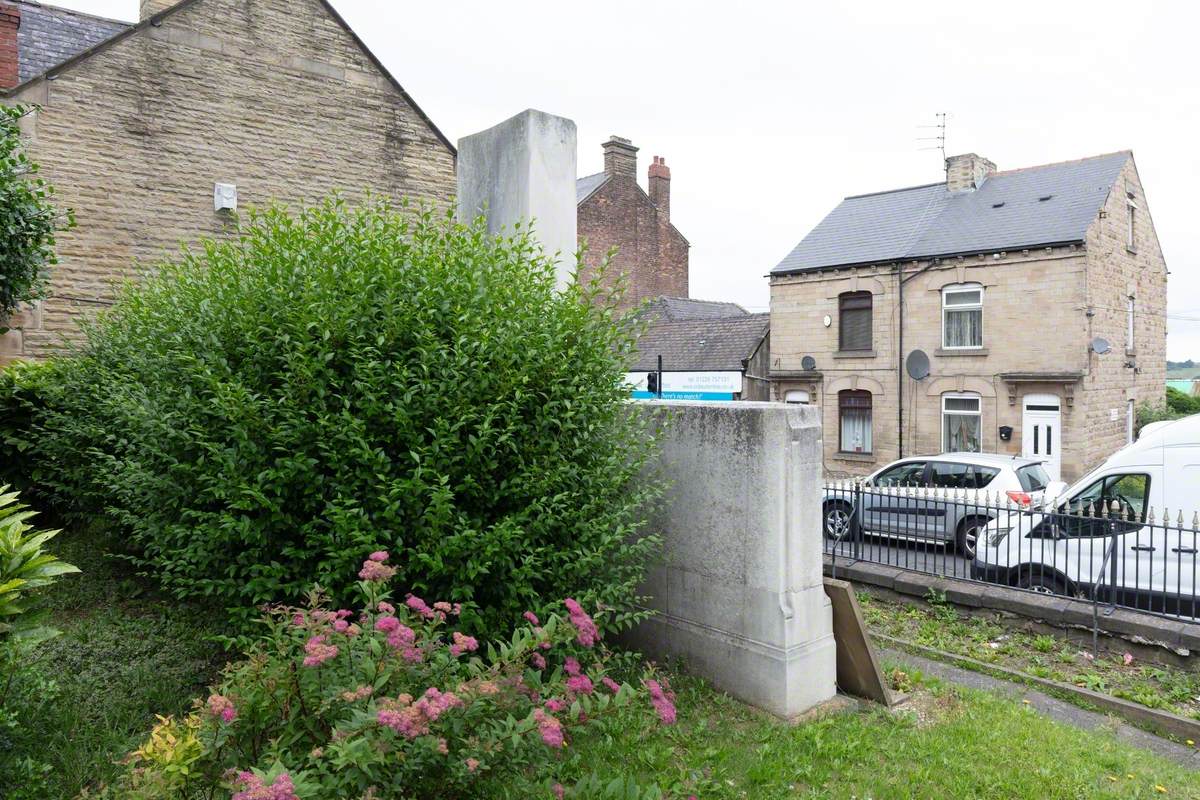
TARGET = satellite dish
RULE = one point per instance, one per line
(917, 365)
(808, 363)
(1100, 346)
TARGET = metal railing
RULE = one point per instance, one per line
(1106, 550)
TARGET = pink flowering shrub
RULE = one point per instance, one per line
(389, 700)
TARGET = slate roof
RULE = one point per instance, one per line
(702, 344)
(584, 187)
(1007, 212)
(48, 36)
(677, 309)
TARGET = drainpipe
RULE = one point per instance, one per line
(900, 362)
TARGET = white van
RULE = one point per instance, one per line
(1107, 530)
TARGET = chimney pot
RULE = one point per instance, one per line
(10, 62)
(967, 172)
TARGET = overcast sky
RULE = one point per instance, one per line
(769, 113)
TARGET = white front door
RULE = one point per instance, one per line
(1041, 431)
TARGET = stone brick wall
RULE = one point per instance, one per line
(1048, 336)
(1116, 272)
(272, 95)
(650, 250)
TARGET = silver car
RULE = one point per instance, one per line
(945, 498)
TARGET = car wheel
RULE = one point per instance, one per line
(969, 531)
(839, 521)
(1043, 584)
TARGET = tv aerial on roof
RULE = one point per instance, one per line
(917, 365)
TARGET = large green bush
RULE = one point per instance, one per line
(264, 410)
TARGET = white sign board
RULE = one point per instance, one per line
(688, 385)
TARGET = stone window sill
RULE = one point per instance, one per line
(972, 351)
(865, 458)
(855, 354)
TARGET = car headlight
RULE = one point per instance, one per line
(997, 535)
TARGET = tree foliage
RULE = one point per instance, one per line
(28, 220)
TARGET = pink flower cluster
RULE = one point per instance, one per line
(589, 634)
(463, 644)
(550, 728)
(538, 660)
(374, 570)
(253, 788)
(663, 702)
(221, 708)
(411, 719)
(577, 682)
(361, 693)
(400, 637)
(317, 651)
(439, 611)
(531, 618)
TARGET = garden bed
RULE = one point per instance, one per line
(128, 654)
(985, 638)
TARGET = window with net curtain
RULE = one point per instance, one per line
(854, 321)
(962, 423)
(854, 421)
(962, 316)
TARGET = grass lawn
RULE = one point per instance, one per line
(952, 743)
(128, 654)
(125, 655)
(943, 627)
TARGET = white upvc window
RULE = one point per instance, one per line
(1130, 314)
(962, 423)
(962, 316)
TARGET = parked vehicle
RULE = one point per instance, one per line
(1127, 530)
(936, 498)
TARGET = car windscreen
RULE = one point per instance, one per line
(1033, 478)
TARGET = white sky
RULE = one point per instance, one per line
(769, 113)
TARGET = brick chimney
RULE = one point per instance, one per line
(620, 158)
(967, 173)
(10, 21)
(152, 7)
(660, 187)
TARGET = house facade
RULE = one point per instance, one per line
(146, 129)
(1018, 312)
(615, 212)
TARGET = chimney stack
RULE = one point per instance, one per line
(152, 7)
(620, 158)
(660, 187)
(10, 67)
(967, 172)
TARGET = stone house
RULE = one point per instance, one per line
(273, 100)
(614, 211)
(969, 315)
(709, 350)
